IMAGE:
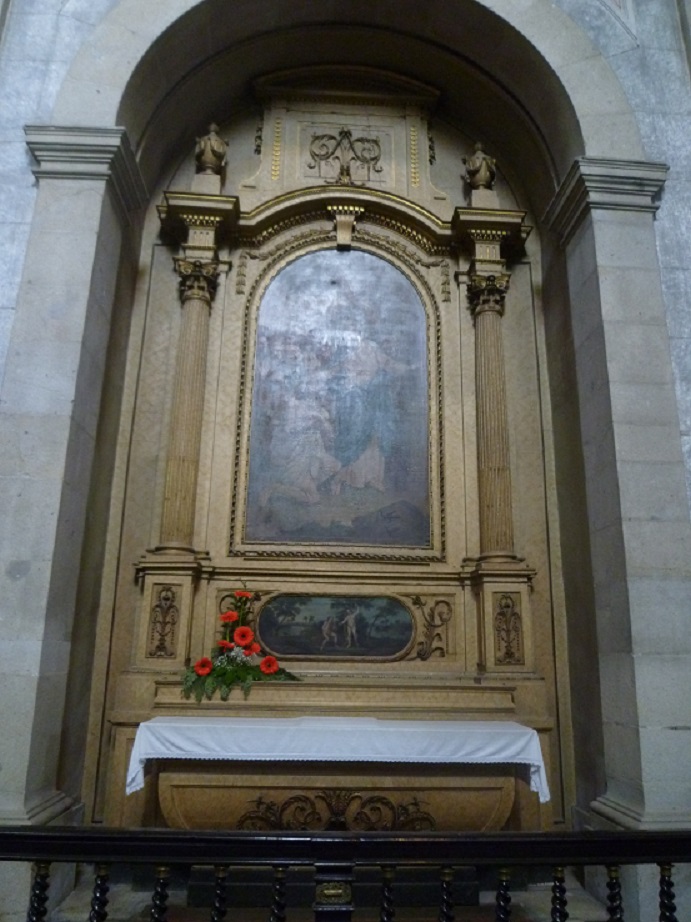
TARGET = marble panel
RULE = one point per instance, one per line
(603, 499)
(613, 632)
(586, 310)
(71, 34)
(13, 242)
(652, 491)
(625, 240)
(681, 361)
(659, 614)
(599, 130)
(661, 546)
(54, 76)
(643, 404)
(109, 57)
(603, 28)
(21, 83)
(84, 95)
(620, 705)
(673, 226)
(663, 682)
(31, 450)
(6, 321)
(654, 82)
(24, 582)
(30, 36)
(23, 534)
(686, 448)
(658, 26)
(40, 377)
(676, 286)
(92, 11)
(70, 209)
(582, 77)
(647, 443)
(668, 802)
(631, 295)
(623, 757)
(638, 353)
(19, 698)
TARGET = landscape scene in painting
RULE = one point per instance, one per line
(339, 432)
(335, 626)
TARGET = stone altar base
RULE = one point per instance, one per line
(343, 795)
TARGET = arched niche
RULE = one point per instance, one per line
(571, 116)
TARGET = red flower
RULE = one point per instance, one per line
(225, 644)
(269, 665)
(203, 666)
(228, 616)
(247, 651)
(255, 648)
(242, 594)
(243, 636)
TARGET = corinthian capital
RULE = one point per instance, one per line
(488, 293)
(197, 279)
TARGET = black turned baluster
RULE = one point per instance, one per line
(668, 908)
(559, 913)
(278, 896)
(218, 907)
(386, 910)
(39, 892)
(446, 906)
(160, 895)
(614, 904)
(503, 902)
(99, 898)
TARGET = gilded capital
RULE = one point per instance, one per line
(488, 293)
(197, 279)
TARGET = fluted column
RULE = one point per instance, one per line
(197, 288)
(487, 295)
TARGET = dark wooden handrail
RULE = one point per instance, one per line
(146, 846)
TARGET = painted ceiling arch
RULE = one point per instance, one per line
(523, 75)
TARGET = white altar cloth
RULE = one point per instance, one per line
(337, 739)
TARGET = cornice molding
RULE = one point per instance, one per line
(67, 152)
(597, 183)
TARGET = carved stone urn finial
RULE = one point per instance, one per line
(210, 152)
(480, 169)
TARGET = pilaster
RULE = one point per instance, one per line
(169, 572)
(500, 578)
(88, 182)
(637, 505)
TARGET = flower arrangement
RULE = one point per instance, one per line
(236, 660)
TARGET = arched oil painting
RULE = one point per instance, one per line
(336, 626)
(339, 433)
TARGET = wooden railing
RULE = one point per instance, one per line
(334, 856)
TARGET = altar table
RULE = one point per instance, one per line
(338, 739)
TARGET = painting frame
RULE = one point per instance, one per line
(241, 542)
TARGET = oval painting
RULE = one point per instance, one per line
(333, 626)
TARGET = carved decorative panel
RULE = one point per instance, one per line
(508, 629)
(435, 618)
(163, 623)
(337, 808)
